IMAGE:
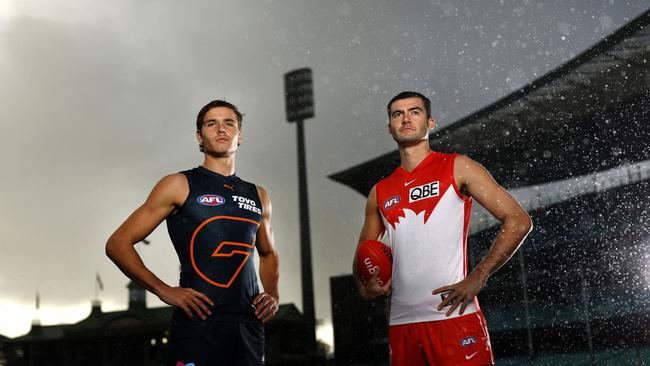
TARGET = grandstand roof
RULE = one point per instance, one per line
(590, 114)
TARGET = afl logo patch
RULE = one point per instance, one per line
(391, 202)
(211, 200)
(468, 341)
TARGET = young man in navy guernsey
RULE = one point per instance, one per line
(424, 208)
(215, 221)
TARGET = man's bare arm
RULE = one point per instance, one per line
(372, 229)
(165, 197)
(267, 302)
(476, 181)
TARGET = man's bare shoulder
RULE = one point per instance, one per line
(463, 159)
(371, 202)
(263, 194)
(175, 180)
(261, 191)
(466, 165)
(264, 199)
(172, 188)
(373, 191)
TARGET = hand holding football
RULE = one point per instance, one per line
(374, 257)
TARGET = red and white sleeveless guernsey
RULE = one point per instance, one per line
(426, 219)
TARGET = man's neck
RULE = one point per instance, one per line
(411, 156)
(224, 165)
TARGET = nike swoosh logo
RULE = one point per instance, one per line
(467, 357)
(407, 183)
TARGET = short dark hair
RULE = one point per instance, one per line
(215, 104)
(411, 94)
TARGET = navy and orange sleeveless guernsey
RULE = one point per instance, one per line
(214, 236)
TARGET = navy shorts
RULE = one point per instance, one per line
(214, 342)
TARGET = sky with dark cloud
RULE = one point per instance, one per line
(99, 101)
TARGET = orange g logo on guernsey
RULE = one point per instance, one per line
(222, 265)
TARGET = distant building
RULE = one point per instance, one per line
(287, 341)
(574, 147)
(3, 339)
(136, 336)
(360, 327)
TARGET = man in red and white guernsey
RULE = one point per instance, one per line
(424, 208)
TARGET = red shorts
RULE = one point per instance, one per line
(463, 340)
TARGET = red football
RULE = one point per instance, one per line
(374, 256)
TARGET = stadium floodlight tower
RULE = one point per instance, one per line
(299, 97)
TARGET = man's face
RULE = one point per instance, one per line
(408, 121)
(219, 134)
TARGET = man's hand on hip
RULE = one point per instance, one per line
(461, 293)
(266, 306)
(189, 300)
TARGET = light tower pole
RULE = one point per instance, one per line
(299, 97)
